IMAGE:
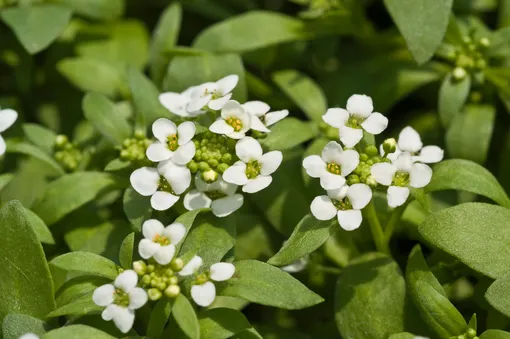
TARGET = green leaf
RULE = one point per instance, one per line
(15, 325)
(70, 192)
(36, 27)
(452, 97)
(465, 175)
(470, 133)
(96, 9)
(78, 307)
(308, 235)
(27, 287)
(86, 262)
(498, 294)
(222, 323)
(5, 179)
(305, 93)
(40, 136)
(289, 133)
(34, 151)
(267, 285)
(126, 251)
(403, 335)
(137, 208)
(116, 165)
(423, 24)
(159, 317)
(77, 332)
(77, 287)
(477, 234)
(369, 298)
(237, 34)
(164, 38)
(188, 219)
(185, 316)
(495, 334)
(43, 233)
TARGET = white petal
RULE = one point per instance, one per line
(360, 105)
(336, 117)
(220, 126)
(145, 180)
(409, 140)
(195, 200)
(257, 184)
(257, 108)
(126, 281)
(375, 123)
(158, 151)
(124, 319)
(201, 185)
(236, 135)
(204, 294)
(257, 125)
(430, 155)
(349, 220)
(103, 295)
(225, 206)
(272, 118)
(109, 311)
(3, 146)
(314, 166)
(184, 153)
(297, 266)
(179, 177)
(270, 162)
(175, 103)
(175, 232)
(164, 254)
(330, 181)
(222, 271)
(404, 162)
(198, 103)
(151, 228)
(339, 193)
(350, 136)
(232, 109)
(227, 84)
(192, 266)
(322, 208)
(236, 174)
(420, 175)
(359, 195)
(397, 196)
(225, 187)
(29, 336)
(383, 173)
(7, 118)
(217, 104)
(137, 298)
(349, 161)
(248, 149)
(161, 201)
(162, 128)
(147, 248)
(332, 152)
(185, 132)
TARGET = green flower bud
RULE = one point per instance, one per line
(140, 267)
(371, 150)
(154, 282)
(204, 142)
(353, 179)
(193, 167)
(173, 280)
(150, 268)
(213, 163)
(154, 294)
(389, 145)
(172, 291)
(484, 42)
(480, 64)
(161, 286)
(124, 154)
(146, 279)
(226, 158)
(177, 264)
(369, 162)
(203, 166)
(209, 176)
(459, 73)
(363, 157)
(61, 140)
(139, 134)
(222, 168)
(471, 333)
(169, 272)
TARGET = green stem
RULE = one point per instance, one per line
(395, 217)
(375, 226)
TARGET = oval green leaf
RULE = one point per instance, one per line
(222, 323)
(185, 316)
(498, 295)
(15, 325)
(77, 332)
(289, 133)
(452, 97)
(86, 262)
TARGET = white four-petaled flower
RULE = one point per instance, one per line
(399, 176)
(357, 117)
(261, 118)
(219, 196)
(332, 166)
(345, 203)
(254, 170)
(160, 241)
(7, 118)
(174, 142)
(409, 141)
(213, 94)
(234, 121)
(177, 103)
(121, 299)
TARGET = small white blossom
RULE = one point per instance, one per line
(174, 142)
(254, 170)
(357, 117)
(409, 141)
(121, 299)
(29, 336)
(261, 118)
(344, 203)
(399, 176)
(219, 196)
(7, 118)
(234, 121)
(191, 267)
(163, 184)
(177, 103)
(213, 94)
(332, 166)
(160, 241)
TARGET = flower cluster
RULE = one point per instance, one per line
(350, 173)
(158, 276)
(219, 158)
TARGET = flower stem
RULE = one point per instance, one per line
(395, 217)
(375, 226)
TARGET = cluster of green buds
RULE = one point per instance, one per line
(470, 334)
(66, 153)
(470, 57)
(158, 279)
(361, 175)
(133, 149)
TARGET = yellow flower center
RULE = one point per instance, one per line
(235, 123)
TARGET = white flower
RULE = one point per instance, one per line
(191, 267)
(213, 94)
(234, 121)
(357, 117)
(332, 166)
(160, 241)
(254, 170)
(173, 142)
(219, 196)
(7, 118)
(177, 103)
(297, 265)
(29, 336)
(344, 203)
(121, 299)
(260, 118)
(399, 176)
(409, 141)
(163, 184)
